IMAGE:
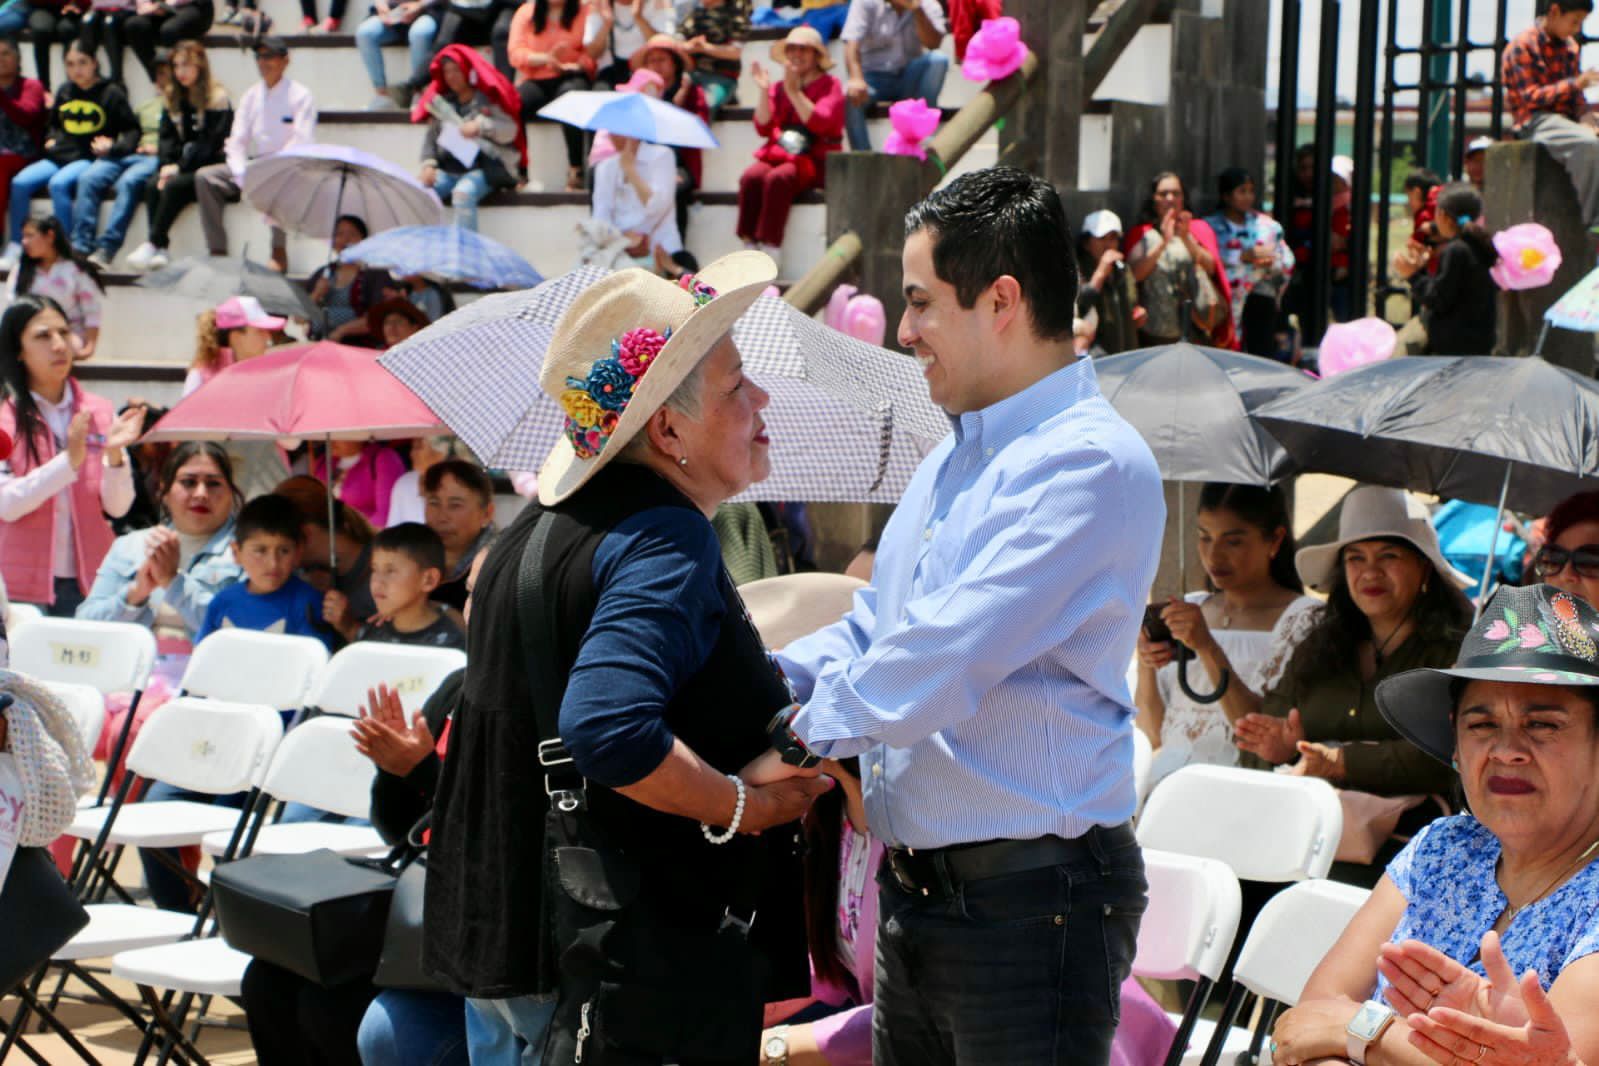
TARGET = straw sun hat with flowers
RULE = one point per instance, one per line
(624, 346)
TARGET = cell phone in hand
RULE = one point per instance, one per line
(1155, 627)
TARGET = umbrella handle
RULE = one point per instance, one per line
(1184, 657)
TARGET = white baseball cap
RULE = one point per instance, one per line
(1101, 223)
(1344, 167)
(1479, 144)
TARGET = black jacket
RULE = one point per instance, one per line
(81, 115)
(1458, 305)
(194, 140)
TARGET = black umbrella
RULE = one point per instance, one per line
(215, 280)
(1192, 406)
(1518, 432)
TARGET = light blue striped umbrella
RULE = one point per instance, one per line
(631, 115)
(445, 253)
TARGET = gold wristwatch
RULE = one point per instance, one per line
(774, 1049)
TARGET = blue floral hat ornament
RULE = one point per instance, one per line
(1537, 635)
(625, 345)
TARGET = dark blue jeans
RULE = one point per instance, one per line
(1024, 969)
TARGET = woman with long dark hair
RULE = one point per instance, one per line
(554, 50)
(67, 469)
(1176, 261)
(50, 267)
(165, 576)
(1393, 604)
(1458, 303)
(1253, 602)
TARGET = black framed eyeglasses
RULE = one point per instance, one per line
(1584, 560)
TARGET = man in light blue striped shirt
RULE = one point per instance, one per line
(981, 677)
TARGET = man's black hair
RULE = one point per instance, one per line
(1000, 221)
(416, 542)
(1423, 179)
(468, 474)
(1568, 5)
(271, 514)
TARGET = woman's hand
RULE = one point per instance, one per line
(78, 439)
(165, 174)
(1153, 655)
(144, 584)
(321, 289)
(763, 80)
(471, 128)
(382, 735)
(1449, 1036)
(1273, 739)
(161, 555)
(1187, 623)
(127, 428)
(1312, 1031)
(802, 1049)
(781, 802)
(1421, 978)
(1325, 761)
(335, 608)
(430, 174)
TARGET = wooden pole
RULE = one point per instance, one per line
(1120, 29)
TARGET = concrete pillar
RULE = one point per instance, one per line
(1524, 183)
(1041, 134)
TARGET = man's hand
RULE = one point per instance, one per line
(382, 735)
(430, 174)
(769, 768)
(781, 802)
(859, 93)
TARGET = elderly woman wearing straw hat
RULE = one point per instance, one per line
(1475, 899)
(802, 118)
(615, 670)
(1393, 604)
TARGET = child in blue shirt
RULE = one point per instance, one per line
(272, 598)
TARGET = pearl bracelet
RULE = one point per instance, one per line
(738, 816)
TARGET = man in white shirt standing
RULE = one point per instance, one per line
(275, 113)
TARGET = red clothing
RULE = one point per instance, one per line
(484, 78)
(1540, 74)
(1224, 335)
(692, 159)
(24, 105)
(966, 17)
(826, 127)
(27, 546)
(524, 43)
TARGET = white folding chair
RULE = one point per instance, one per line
(21, 614)
(248, 666)
(107, 656)
(1267, 827)
(412, 672)
(205, 746)
(1187, 931)
(86, 706)
(1292, 934)
(1143, 759)
(317, 764)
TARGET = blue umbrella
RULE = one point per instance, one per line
(445, 253)
(631, 115)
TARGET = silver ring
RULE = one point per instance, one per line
(1482, 1050)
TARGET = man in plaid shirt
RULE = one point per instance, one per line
(1544, 86)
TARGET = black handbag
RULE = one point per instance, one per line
(38, 914)
(400, 964)
(318, 914)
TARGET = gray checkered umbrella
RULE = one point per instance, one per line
(849, 421)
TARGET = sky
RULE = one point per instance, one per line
(1483, 13)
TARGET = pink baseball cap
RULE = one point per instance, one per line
(236, 312)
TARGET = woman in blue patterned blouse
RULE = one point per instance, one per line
(1511, 887)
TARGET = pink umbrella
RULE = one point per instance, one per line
(298, 392)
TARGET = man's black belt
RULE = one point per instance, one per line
(939, 871)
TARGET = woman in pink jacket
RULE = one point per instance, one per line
(67, 469)
(363, 477)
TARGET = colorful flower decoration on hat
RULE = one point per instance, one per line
(913, 123)
(1528, 257)
(995, 51)
(1560, 632)
(594, 404)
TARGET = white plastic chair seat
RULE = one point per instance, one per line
(115, 927)
(165, 824)
(300, 837)
(204, 967)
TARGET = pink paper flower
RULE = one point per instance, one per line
(995, 51)
(913, 123)
(865, 320)
(1531, 637)
(1528, 257)
(1347, 345)
(1497, 631)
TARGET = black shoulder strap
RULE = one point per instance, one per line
(564, 785)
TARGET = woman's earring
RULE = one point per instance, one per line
(683, 461)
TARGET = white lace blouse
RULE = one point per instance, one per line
(1200, 733)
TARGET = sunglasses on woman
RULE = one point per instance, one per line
(1584, 560)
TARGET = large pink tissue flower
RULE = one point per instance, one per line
(1347, 345)
(995, 51)
(913, 123)
(1528, 257)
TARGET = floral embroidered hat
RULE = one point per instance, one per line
(624, 345)
(1537, 635)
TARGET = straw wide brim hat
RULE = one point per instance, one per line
(662, 42)
(791, 606)
(803, 37)
(1370, 513)
(633, 299)
(1537, 635)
